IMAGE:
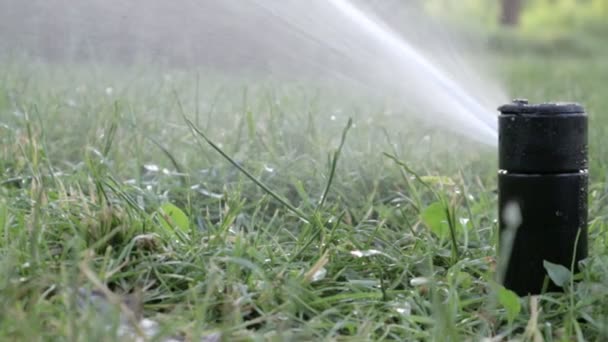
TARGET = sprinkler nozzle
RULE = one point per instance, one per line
(542, 191)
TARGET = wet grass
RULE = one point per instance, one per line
(263, 213)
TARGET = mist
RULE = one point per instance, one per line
(384, 50)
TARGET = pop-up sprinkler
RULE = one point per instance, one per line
(542, 191)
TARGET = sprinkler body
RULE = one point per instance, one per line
(542, 191)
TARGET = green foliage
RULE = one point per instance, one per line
(172, 218)
(239, 261)
(548, 18)
(559, 274)
(563, 16)
(435, 218)
(3, 215)
(510, 301)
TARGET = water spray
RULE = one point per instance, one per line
(542, 185)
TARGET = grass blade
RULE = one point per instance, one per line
(259, 183)
(334, 163)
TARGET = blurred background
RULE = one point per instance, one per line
(565, 26)
(170, 32)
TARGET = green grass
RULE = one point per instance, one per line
(304, 230)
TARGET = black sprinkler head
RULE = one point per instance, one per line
(542, 191)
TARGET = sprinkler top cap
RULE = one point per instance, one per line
(521, 106)
(547, 138)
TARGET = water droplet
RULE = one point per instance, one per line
(369, 252)
(109, 91)
(151, 168)
(206, 192)
(419, 281)
(332, 118)
(511, 214)
(268, 168)
(319, 275)
(404, 309)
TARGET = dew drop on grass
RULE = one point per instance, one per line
(268, 168)
(151, 168)
(198, 188)
(319, 275)
(418, 281)
(404, 309)
(366, 253)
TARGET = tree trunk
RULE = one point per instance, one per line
(509, 15)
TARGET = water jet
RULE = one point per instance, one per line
(542, 191)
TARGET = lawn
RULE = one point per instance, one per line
(236, 210)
